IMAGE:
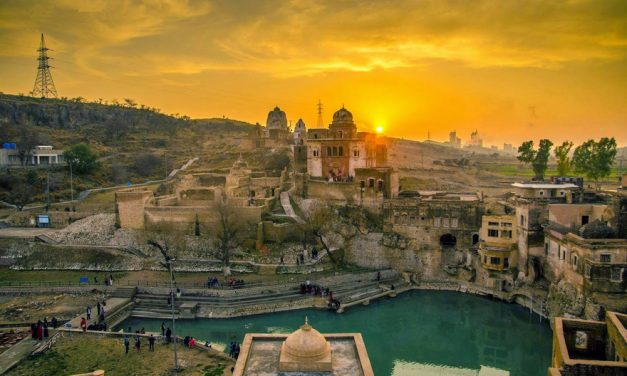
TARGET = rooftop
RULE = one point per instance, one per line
(544, 185)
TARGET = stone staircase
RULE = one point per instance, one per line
(124, 292)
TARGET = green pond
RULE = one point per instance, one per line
(416, 333)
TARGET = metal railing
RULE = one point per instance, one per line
(49, 284)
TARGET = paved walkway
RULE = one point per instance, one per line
(112, 305)
(289, 210)
(16, 353)
(24, 232)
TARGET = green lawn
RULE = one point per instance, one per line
(527, 172)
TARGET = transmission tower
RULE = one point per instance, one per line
(320, 123)
(44, 86)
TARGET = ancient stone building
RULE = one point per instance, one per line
(303, 352)
(336, 152)
(498, 250)
(300, 132)
(276, 125)
(530, 202)
(591, 348)
(436, 219)
(197, 196)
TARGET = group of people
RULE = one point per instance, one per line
(189, 341)
(234, 349)
(109, 280)
(39, 330)
(212, 282)
(304, 256)
(313, 289)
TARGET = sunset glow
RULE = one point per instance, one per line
(507, 69)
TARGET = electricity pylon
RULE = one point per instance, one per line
(44, 86)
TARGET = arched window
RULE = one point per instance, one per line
(341, 151)
(355, 152)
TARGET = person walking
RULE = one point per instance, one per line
(151, 343)
(126, 344)
(83, 324)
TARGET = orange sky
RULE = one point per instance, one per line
(514, 70)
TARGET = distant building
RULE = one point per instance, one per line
(509, 149)
(276, 125)
(41, 155)
(453, 140)
(475, 141)
(498, 250)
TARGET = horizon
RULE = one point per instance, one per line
(534, 69)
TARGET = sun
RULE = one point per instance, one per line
(379, 129)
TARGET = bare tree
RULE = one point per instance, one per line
(319, 222)
(226, 236)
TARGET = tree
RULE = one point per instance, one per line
(226, 236)
(28, 139)
(277, 162)
(319, 222)
(563, 161)
(82, 159)
(539, 159)
(595, 159)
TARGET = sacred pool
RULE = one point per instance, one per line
(416, 333)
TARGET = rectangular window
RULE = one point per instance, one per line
(493, 233)
(584, 220)
(485, 259)
(606, 258)
(506, 234)
(454, 222)
(445, 222)
(355, 153)
(506, 262)
(522, 220)
(617, 275)
(371, 183)
(495, 260)
(493, 223)
(436, 222)
(506, 224)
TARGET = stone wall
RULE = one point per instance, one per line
(129, 207)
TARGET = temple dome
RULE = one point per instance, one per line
(342, 116)
(276, 119)
(306, 345)
(300, 126)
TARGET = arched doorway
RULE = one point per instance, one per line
(447, 241)
(475, 239)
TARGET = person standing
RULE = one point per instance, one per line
(168, 335)
(137, 341)
(151, 343)
(46, 334)
(83, 324)
(40, 330)
(54, 322)
(126, 344)
(98, 308)
(88, 312)
(162, 328)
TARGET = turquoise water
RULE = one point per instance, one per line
(416, 333)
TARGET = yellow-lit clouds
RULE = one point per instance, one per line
(410, 66)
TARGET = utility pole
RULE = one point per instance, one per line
(320, 124)
(169, 261)
(71, 183)
(44, 86)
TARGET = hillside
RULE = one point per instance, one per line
(134, 143)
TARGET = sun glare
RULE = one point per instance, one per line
(379, 129)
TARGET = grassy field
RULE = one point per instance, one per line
(519, 170)
(86, 353)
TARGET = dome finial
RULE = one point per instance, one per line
(306, 326)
